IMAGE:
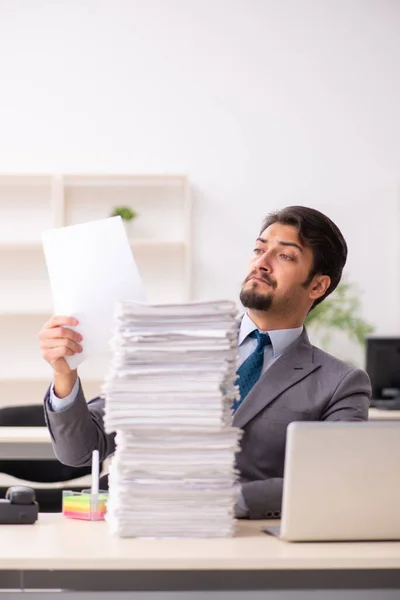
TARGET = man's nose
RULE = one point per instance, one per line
(263, 262)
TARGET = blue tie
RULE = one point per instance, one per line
(250, 370)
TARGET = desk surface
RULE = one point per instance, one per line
(56, 542)
(26, 435)
(375, 414)
(24, 443)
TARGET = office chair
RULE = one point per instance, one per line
(37, 471)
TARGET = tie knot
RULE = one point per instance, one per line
(263, 339)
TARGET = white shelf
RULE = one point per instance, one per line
(19, 312)
(31, 366)
(29, 204)
(162, 209)
(123, 180)
(36, 245)
(21, 245)
(148, 243)
(42, 378)
(25, 180)
(32, 391)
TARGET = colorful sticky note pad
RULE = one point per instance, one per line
(83, 505)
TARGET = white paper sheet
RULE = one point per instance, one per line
(91, 267)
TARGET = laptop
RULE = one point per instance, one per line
(341, 482)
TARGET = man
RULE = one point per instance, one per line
(297, 262)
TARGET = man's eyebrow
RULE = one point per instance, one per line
(264, 241)
(291, 244)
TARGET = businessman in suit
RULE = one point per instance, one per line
(296, 263)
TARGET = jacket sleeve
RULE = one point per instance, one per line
(78, 430)
(350, 401)
(263, 498)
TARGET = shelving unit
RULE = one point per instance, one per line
(30, 204)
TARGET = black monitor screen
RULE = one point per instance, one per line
(383, 367)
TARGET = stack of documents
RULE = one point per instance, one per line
(168, 398)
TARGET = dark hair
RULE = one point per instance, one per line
(325, 239)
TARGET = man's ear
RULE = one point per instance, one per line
(319, 286)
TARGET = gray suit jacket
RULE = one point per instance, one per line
(304, 384)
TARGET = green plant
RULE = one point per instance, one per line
(126, 213)
(340, 311)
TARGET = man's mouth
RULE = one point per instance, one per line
(257, 278)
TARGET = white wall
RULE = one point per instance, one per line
(261, 103)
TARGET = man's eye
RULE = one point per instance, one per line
(257, 251)
(286, 257)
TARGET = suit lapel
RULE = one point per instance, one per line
(294, 364)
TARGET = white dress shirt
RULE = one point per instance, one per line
(281, 339)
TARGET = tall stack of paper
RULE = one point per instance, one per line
(168, 398)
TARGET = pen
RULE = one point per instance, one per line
(95, 472)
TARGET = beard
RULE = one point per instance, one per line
(251, 298)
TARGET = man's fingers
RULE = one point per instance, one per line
(56, 353)
(48, 344)
(60, 333)
(57, 321)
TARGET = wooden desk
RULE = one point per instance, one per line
(60, 553)
(384, 415)
(24, 443)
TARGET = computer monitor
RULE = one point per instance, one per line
(383, 368)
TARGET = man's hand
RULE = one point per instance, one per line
(58, 341)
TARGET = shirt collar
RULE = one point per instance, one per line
(280, 338)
